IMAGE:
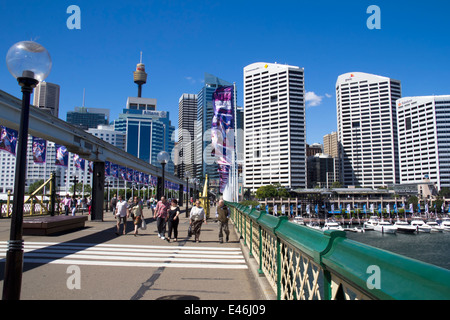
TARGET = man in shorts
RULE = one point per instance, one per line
(121, 214)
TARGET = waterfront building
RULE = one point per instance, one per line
(108, 134)
(320, 170)
(367, 129)
(424, 139)
(274, 126)
(46, 97)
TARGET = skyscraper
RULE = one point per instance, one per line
(187, 117)
(367, 129)
(148, 131)
(46, 96)
(274, 126)
(204, 161)
(424, 139)
(86, 118)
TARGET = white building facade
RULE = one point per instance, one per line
(274, 126)
(367, 129)
(424, 139)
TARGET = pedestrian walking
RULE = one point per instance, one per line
(114, 203)
(67, 202)
(74, 205)
(196, 219)
(173, 220)
(138, 215)
(121, 214)
(161, 216)
(222, 215)
(89, 204)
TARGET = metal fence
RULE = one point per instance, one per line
(302, 263)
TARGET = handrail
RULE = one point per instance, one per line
(338, 267)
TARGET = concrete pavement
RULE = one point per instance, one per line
(95, 263)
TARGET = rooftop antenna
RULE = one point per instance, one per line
(84, 95)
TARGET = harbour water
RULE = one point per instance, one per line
(432, 248)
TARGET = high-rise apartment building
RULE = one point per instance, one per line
(330, 144)
(367, 129)
(274, 126)
(46, 96)
(424, 139)
(187, 118)
(331, 148)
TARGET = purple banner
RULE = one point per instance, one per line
(78, 162)
(39, 150)
(114, 170)
(222, 132)
(8, 140)
(123, 172)
(107, 168)
(62, 156)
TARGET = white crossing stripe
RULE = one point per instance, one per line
(130, 255)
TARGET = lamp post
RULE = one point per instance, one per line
(187, 174)
(29, 63)
(163, 158)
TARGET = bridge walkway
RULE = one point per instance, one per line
(126, 267)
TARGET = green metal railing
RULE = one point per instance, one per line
(303, 263)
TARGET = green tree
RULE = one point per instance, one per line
(269, 191)
(336, 184)
(35, 186)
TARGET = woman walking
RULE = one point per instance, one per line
(174, 212)
(196, 218)
(138, 215)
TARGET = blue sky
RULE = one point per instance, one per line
(181, 40)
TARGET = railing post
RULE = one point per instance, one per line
(251, 238)
(260, 271)
(326, 285)
(245, 229)
(278, 269)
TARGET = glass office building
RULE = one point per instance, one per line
(204, 162)
(148, 131)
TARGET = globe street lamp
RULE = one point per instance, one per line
(29, 63)
(163, 158)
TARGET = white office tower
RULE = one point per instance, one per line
(46, 96)
(367, 129)
(187, 117)
(424, 139)
(274, 126)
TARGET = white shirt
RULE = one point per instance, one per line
(197, 214)
(121, 208)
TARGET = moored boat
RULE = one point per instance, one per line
(332, 225)
(420, 225)
(385, 227)
(371, 223)
(435, 227)
(446, 224)
(404, 227)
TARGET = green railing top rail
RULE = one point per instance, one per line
(401, 278)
